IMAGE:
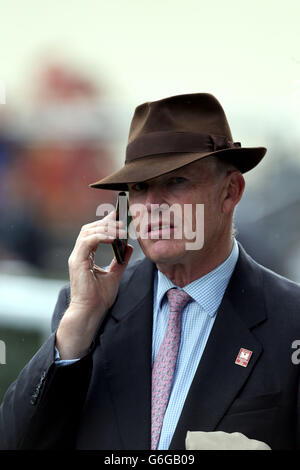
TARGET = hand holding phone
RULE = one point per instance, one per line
(93, 289)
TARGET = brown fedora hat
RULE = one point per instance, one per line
(173, 132)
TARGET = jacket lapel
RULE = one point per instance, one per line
(218, 379)
(127, 347)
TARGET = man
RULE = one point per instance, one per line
(183, 340)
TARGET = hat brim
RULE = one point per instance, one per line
(146, 168)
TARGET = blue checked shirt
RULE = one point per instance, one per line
(197, 320)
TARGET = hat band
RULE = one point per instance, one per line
(155, 143)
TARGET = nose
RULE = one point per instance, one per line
(155, 195)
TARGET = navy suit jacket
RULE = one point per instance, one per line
(103, 401)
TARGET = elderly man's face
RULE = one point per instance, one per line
(196, 183)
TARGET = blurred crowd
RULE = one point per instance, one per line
(48, 157)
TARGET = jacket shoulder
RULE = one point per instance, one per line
(279, 285)
(281, 295)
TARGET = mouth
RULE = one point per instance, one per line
(160, 230)
(153, 227)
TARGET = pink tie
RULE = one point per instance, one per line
(165, 361)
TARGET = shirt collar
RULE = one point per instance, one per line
(208, 290)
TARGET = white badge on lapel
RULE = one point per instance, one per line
(243, 357)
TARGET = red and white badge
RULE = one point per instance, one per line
(243, 357)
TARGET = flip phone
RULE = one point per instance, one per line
(119, 244)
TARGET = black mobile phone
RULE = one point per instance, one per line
(122, 210)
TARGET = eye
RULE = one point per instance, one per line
(138, 187)
(177, 180)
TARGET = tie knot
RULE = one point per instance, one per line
(177, 299)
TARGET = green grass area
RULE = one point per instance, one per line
(20, 346)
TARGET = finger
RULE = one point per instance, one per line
(101, 223)
(111, 230)
(108, 218)
(85, 245)
(99, 270)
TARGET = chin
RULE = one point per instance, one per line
(164, 251)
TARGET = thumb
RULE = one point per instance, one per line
(117, 268)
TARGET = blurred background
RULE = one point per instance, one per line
(72, 73)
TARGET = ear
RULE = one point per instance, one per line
(233, 191)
